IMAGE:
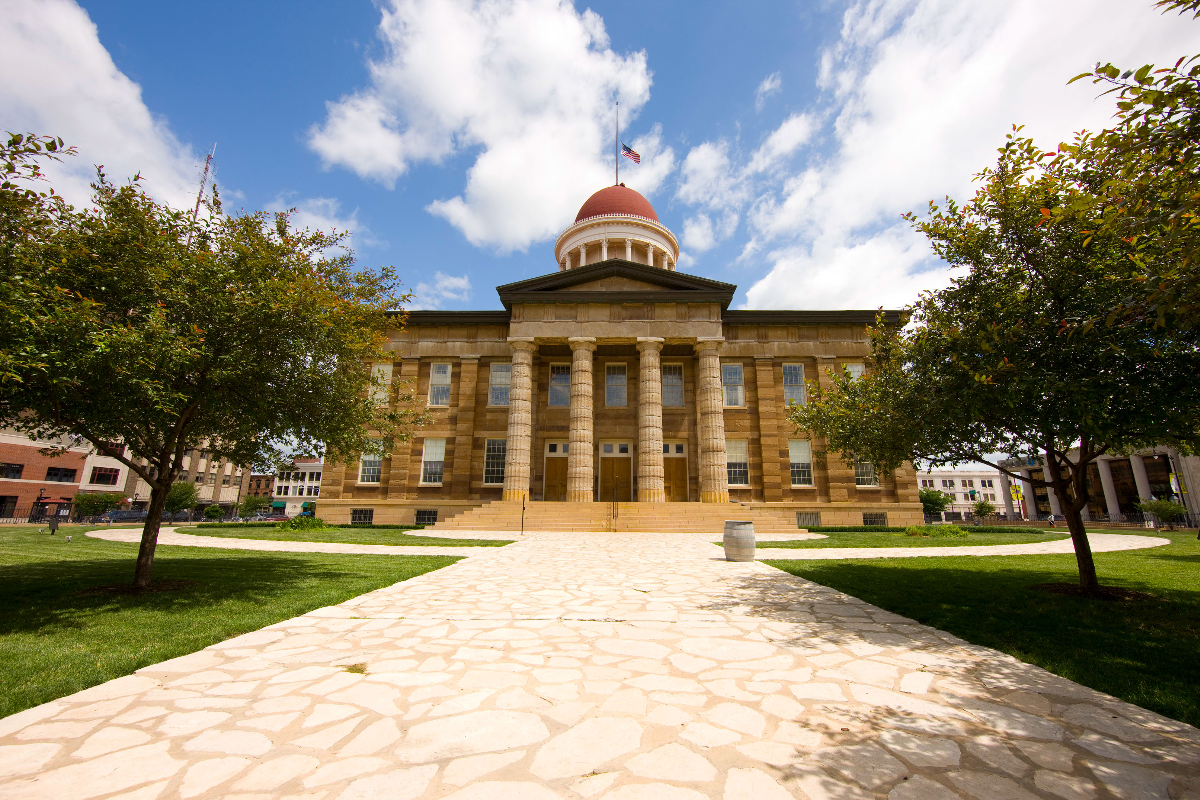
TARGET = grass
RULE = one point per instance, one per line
(62, 631)
(1143, 652)
(900, 539)
(364, 535)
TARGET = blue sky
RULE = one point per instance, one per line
(781, 141)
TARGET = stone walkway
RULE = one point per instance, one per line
(621, 667)
(170, 537)
(1101, 543)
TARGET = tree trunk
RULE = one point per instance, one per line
(1073, 498)
(145, 559)
(1083, 549)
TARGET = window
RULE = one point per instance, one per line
(793, 384)
(566, 447)
(672, 385)
(370, 467)
(224, 480)
(947, 484)
(60, 475)
(281, 491)
(183, 476)
(808, 519)
(560, 384)
(11, 471)
(875, 518)
(926, 483)
(8, 506)
(737, 460)
(362, 516)
(970, 484)
(426, 516)
(314, 476)
(864, 474)
(500, 377)
(433, 461)
(439, 385)
(106, 476)
(494, 451)
(855, 370)
(615, 394)
(731, 380)
(212, 479)
(987, 484)
(800, 456)
(117, 449)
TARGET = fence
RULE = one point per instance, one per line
(1136, 519)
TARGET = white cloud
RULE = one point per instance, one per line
(525, 85)
(701, 233)
(445, 288)
(709, 179)
(57, 79)
(918, 96)
(324, 214)
(769, 86)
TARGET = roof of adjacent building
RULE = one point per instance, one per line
(616, 200)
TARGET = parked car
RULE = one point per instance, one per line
(276, 518)
(121, 515)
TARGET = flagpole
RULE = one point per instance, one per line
(617, 144)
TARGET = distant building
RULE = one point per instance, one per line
(217, 482)
(297, 487)
(262, 484)
(965, 487)
(33, 485)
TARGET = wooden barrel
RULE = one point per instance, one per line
(739, 540)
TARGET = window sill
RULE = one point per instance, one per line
(867, 486)
(433, 485)
(368, 483)
(803, 486)
(493, 485)
(738, 486)
(497, 405)
(445, 406)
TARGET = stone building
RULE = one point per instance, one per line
(618, 393)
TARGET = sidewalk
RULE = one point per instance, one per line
(621, 666)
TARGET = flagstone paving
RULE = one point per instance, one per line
(1100, 542)
(617, 666)
(168, 536)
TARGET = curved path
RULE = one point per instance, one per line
(170, 537)
(603, 667)
(1101, 543)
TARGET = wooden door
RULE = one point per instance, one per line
(618, 473)
(676, 479)
(555, 487)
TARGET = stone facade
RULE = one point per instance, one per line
(616, 380)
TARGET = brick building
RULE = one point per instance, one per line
(611, 387)
(33, 485)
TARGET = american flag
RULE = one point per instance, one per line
(628, 153)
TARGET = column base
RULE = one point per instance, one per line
(574, 496)
(652, 496)
(515, 494)
(715, 497)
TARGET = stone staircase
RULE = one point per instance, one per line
(708, 518)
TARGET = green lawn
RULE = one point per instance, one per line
(364, 535)
(1144, 652)
(885, 539)
(60, 631)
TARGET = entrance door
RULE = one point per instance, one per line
(556, 479)
(676, 479)
(616, 474)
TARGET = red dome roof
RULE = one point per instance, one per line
(616, 200)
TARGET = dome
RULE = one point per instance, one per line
(616, 200)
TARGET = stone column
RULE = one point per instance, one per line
(582, 254)
(579, 459)
(650, 253)
(1055, 506)
(520, 420)
(459, 479)
(1111, 501)
(629, 249)
(604, 249)
(651, 474)
(1006, 487)
(768, 431)
(1140, 478)
(1031, 508)
(710, 411)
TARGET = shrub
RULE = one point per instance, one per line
(1167, 511)
(302, 524)
(937, 531)
(213, 512)
(933, 501)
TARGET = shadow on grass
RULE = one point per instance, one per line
(1143, 652)
(43, 594)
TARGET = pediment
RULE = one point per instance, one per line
(616, 280)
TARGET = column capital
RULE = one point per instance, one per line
(645, 343)
(582, 343)
(527, 344)
(706, 344)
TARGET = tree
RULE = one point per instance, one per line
(933, 501)
(130, 321)
(252, 504)
(997, 362)
(93, 504)
(181, 496)
(1167, 511)
(984, 509)
(213, 512)
(1150, 192)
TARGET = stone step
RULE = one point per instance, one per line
(631, 517)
